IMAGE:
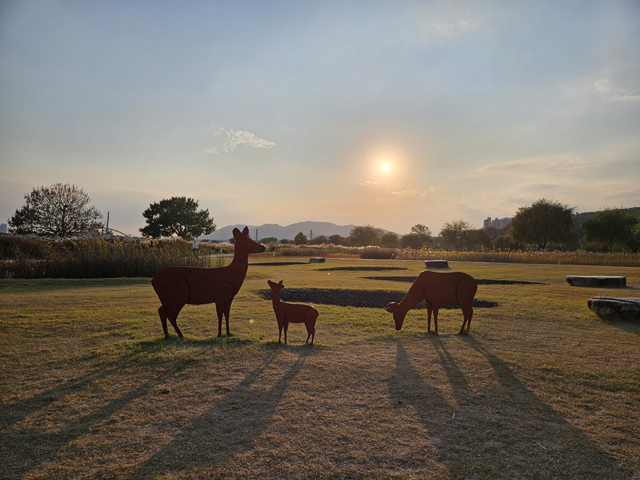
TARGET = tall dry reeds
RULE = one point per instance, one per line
(500, 256)
(318, 251)
(99, 258)
(540, 257)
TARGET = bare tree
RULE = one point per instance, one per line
(61, 210)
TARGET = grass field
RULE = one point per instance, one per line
(540, 389)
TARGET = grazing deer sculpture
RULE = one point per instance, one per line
(437, 289)
(287, 313)
(178, 286)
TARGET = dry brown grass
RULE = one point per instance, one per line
(540, 389)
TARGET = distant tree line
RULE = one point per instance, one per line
(64, 211)
(543, 225)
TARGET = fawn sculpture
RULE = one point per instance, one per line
(437, 289)
(178, 286)
(287, 313)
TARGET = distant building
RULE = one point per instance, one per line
(3, 228)
(498, 223)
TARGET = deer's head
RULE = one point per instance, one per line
(398, 316)
(243, 241)
(275, 287)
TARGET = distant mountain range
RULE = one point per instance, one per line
(280, 232)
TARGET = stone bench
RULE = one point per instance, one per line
(586, 281)
(317, 260)
(607, 308)
(436, 263)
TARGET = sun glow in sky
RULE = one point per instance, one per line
(270, 112)
(384, 167)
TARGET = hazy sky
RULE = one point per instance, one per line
(279, 112)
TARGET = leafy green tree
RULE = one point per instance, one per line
(268, 240)
(61, 210)
(389, 240)
(452, 234)
(505, 242)
(420, 237)
(319, 240)
(300, 239)
(177, 215)
(421, 229)
(542, 222)
(611, 227)
(364, 235)
(634, 239)
(337, 239)
(411, 240)
(475, 239)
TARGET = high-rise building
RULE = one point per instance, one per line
(498, 223)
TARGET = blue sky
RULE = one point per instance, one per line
(279, 112)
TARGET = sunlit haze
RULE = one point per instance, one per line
(281, 112)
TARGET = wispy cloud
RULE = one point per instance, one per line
(232, 139)
(388, 193)
(446, 20)
(608, 90)
(562, 164)
(410, 194)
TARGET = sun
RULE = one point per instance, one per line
(385, 167)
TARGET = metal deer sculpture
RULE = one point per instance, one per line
(437, 289)
(178, 286)
(287, 313)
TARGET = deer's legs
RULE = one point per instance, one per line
(223, 297)
(468, 315)
(227, 308)
(163, 319)
(429, 310)
(435, 320)
(172, 314)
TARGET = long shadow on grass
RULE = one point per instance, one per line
(33, 446)
(229, 427)
(17, 411)
(502, 431)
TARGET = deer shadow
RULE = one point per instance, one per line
(227, 428)
(37, 446)
(503, 431)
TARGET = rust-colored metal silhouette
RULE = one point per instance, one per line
(287, 313)
(437, 289)
(178, 286)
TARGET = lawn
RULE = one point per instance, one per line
(541, 388)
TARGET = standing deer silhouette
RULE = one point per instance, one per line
(437, 289)
(179, 286)
(287, 313)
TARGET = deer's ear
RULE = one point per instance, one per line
(280, 282)
(245, 231)
(235, 232)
